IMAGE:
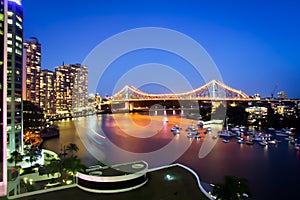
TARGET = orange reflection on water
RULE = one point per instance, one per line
(141, 120)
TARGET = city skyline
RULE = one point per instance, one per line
(254, 44)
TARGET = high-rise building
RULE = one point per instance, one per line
(47, 93)
(33, 70)
(11, 39)
(71, 87)
(3, 114)
(14, 75)
(281, 95)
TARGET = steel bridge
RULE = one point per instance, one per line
(212, 91)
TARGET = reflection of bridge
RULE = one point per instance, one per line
(131, 97)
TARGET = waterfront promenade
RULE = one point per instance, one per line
(165, 184)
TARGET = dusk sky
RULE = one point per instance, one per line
(255, 44)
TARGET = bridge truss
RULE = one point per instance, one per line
(214, 90)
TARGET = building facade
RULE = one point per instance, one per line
(11, 63)
(3, 114)
(71, 87)
(14, 75)
(282, 95)
(33, 70)
(47, 93)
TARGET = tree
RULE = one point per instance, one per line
(33, 154)
(73, 164)
(63, 166)
(233, 188)
(55, 166)
(15, 157)
(72, 148)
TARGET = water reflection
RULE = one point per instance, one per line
(100, 138)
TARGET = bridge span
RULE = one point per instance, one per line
(211, 94)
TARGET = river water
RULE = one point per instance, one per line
(273, 171)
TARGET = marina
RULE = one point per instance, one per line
(266, 167)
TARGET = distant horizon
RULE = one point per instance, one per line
(254, 44)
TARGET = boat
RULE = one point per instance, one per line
(176, 129)
(240, 141)
(257, 138)
(249, 142)
(263, 143)
(281, 134)
(225, 140)
(297, 148)
(197, 136)
(191, 128)
(288, 131)
(215, 137)
(193, 132)
(226, 133)
(200, 124)
(272, 141)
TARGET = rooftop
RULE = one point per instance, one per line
(168, 183)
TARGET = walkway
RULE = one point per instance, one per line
(172, 183)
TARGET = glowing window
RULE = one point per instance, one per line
(8, 128)
(19, 25)
(19, 18)
(9, 13)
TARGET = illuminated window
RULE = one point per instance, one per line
(17, 51)
(8, 128)
(19, 38)
(19, 18)
(18, 99)
(19, 25)
(9, 13)
(10, 21)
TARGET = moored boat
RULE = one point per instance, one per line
(263, 143)
(225, 140)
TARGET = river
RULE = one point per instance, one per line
(272, 171)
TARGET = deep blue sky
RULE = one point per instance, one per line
(255, 44)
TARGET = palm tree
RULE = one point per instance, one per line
(233, 188)
(33, 153)
(15, 157)
(73, 164)
(72, 148)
